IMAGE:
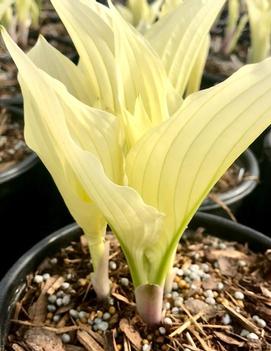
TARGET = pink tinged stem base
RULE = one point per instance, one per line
(149, 302)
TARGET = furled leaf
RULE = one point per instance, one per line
(89, 27)
(139, 65)
(197, 71)
(176, 164)
(178, 36)
(58, 66)
(259, 12)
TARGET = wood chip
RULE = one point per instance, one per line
(38, 339)
(38, 310)
(74, 348)
(88, 341)
(92, 333)
(110, 341)
(17, 347)
(228, 339)
(56, 285)
(131, 333)
(229, 253)
(60, 330)
(227, 266)
(243, 321)
(185, 325)
(126, 345)
(123, 299)
(265, 292)
(196, 305)
(204, 345)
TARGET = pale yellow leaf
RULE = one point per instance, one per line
(175, 165)
(178, 36)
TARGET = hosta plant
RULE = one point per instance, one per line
(18, 15)
(235, 25)
(122, 145)
(259, 12)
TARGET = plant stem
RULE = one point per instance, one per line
(149, 301)
(99, 277)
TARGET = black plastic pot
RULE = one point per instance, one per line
(256, 208)
(234, 197)
(13, 283)
(29, 203)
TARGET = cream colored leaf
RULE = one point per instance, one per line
(58, 66)
(93, 38)
(259, 13)
(175, 165)
(178, 37)
(80, 147)
(4, 6)
(140, 67)
(197, 71)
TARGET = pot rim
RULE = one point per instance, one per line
(19, 168)
(250, 163)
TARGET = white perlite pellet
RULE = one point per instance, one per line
(205, 267)
(209, 293)
(146, 347)
(220, 286)
(167, 306)
(175, 295)
(259, 321)
(46, 276)
(38, 279)
(106, 316)
(162, 330)
(65, 285)
(51, 308)
(66, 300)
(52, 299)
(103, 326)
(82, 314)
(244, 332)
(74, 313)
(65, 338)
(56, 318)
(112, 265)
(53, 260)
(179, 272)
(124, 281)
(210, 300)
(252, 336)
(238, 295)
(175, 310)
(175, 286)
(167, 321)
(226, 319)
(242, 263)
(59, 302)
(178, 302)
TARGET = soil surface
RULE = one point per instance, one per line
(220, 300)
(12, 145)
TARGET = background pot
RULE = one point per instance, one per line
(12, 284)
(31, 207)
(234, 197)
(256, 208)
